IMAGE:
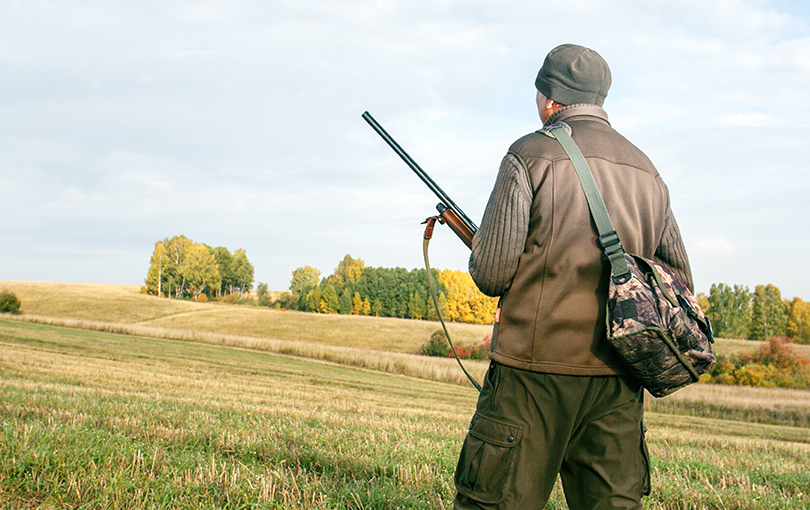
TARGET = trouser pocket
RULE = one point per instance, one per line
(486, 459)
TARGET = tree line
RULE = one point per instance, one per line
(353, 288)
(356, 289)
(181, 268)
(761, 314)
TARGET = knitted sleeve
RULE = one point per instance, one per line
(498, 244)
(671, 252)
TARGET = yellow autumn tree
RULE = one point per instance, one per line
(158, 268)
(465, 303)
(199, 270)
(348, 270)
(357, 304)
(798, 321)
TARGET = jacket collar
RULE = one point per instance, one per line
(578, 110)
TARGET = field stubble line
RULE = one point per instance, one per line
(435, 369)
(309, 438)
(762, 405)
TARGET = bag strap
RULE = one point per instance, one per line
(608, 238)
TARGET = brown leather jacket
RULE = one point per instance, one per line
(553, 314)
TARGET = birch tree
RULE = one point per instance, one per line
(199, 270)
(730, 310)
(158, 270)
(302, 277)
(768, 313)
(242, 271)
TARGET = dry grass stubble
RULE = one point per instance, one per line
(124, 304)
(435, 369)
(213, 427)
(102, 420)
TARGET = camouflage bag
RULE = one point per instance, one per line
(653, 321)
(658, 328)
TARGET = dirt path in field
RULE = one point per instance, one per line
(178, 314)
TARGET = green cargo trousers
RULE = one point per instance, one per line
(528, 427)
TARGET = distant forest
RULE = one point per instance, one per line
(737, 312)
(183, 269)
(356, 289)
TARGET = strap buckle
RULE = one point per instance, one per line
(622, 278)
(609, 239)
(614, 251)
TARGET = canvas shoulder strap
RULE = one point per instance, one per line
(608, 238)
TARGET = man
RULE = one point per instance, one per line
(556, 399)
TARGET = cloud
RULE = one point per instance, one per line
(239, 123)
(747, 120)
(715, 246)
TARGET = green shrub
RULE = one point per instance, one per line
(436, 345)
(9, 302)
(481, 351)
(262, 295)
(285, 301)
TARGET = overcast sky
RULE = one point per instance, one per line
(239, 124)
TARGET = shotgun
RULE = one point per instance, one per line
(448, 210)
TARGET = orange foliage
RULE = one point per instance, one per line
(464, 301)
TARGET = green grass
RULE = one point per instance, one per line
(205, 426)
(97, 420)
(124, 304)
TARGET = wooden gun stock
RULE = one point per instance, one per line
(456, 224)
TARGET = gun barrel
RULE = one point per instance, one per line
(419, 172)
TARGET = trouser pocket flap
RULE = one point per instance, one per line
(486, 458)
(495, 432)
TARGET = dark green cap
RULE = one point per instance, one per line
(574, 74)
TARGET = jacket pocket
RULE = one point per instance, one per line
(486, 459)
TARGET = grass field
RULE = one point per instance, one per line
(202, 405)
(124, 305)
(98, 420)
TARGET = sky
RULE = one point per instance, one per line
(239, 124)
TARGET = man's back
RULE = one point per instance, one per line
(553, 314)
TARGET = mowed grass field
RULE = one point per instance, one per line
(98, 420)
(100, 306)
(379, 343)
(92, 419)
(125, 305)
